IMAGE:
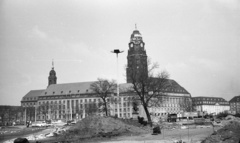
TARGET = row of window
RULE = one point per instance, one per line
(76, 102)
(29, 98)
(210, 102)
(29, 104)
(210, 99)
(78, 91)
(125, 115)
(234, 103)
(124, 110)
(79, 102)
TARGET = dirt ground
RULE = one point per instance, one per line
(11, 133)
(167, 136)
(110, 130)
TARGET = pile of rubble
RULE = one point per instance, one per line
(229, 133)
(32, 137)
(97, 126)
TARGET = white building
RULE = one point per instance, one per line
(210, 105)
(235, 104)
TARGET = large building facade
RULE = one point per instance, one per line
(210, 105)
(235, 104)
(74, 100)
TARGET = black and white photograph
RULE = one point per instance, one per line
(119, 71)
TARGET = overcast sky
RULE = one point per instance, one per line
(197, 42)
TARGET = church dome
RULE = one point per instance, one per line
(136, 33)
(52, 78)
(52, 72)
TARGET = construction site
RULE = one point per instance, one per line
(114, 130)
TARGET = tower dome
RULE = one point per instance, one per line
(136, 36)
(52, 78)
(136, 33)
(52, 72)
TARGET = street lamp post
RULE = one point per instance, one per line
(25, 116)
(117, 51)
(35, 113)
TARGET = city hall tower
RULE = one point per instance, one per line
(137, 57)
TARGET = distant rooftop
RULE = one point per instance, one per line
(235, 99)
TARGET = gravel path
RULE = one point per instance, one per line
(167, 136)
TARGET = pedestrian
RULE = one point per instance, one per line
(27, 124)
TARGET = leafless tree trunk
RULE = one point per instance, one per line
(104, 88)
(148, 87)
(186, 104)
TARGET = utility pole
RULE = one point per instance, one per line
(117, 51)
(35, 112)
(25, 123)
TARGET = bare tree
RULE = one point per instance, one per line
(50, 109)
(30, 112)
(104, 88)
(10, 113)
(42, 109)
(91, 109)
(148, 87)
(186, 104)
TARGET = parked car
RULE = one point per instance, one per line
(39, 124)
(59, 123)
(172, 118)
(48, 123)
(71, 122)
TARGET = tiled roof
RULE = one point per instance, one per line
(68, 88)
(209, 101)
(33, 93)
(235, 99)
(84, 87)
(173, 87)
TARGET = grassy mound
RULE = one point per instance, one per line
(97, 126)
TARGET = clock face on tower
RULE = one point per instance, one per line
(137, 42)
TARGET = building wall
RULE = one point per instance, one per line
(210, 105)
(73, 107)
(235, 104)
(171, 104)
(69, 108)
(215, 109)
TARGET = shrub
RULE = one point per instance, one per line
(141, 121)
(237, 115)
(222, 115)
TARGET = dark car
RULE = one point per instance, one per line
(172, 118)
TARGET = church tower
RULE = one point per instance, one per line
(137, 57)
(52, 78)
